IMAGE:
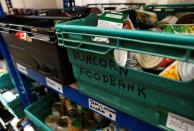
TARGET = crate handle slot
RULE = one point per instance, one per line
(97, 50)
(135, 46)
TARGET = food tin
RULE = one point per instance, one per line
(186, 71)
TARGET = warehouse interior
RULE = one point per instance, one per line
(96, 65)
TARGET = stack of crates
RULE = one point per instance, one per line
(32, 42)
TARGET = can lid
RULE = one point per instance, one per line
(148, 61)
(186, 71)
(63, 122)
(120, 57)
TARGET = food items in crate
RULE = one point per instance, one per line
(143, 19)
(62, 124)
(164, 63)
(115, 21)
(113, 127)
(51, 121)
(75, 123)
(167, 20)
(186, 71)
(98, 117)
(148, 61)
(186, 18)
(95, 10)
(120, 57)
(71, 109)
(179, 29)
(171, 72)
(179, 71)
(155, 29)
(132, 61)
(23, 36)
(81, 119)
(57, 109)
(88, 120)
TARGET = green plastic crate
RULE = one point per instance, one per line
(13, 106)
(39, 110)
(171, 9)
(5, 81)
(143, 95)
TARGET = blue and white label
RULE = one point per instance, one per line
(55, 85)
(179, 123)
(22, 69)
(102, 109)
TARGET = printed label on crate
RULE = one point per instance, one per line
(102, 109)
(22, 68)
(55, 85)
(179, 123)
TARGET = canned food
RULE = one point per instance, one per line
(57, 109)
(120, 57)
(167, 20)
(89, 125)
(186, 71)
(51, 121)
(145, 17)
(131, 62)
(186, 18)
(148, 61)
(98, 117)
(62, 124)
(61, 97)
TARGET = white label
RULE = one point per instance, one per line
(107, 24)
(114, 16)
(22, 68)
(102, 109)
(53, 84)
(179, 123)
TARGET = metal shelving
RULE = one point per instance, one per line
(22, 86)
(121, 118)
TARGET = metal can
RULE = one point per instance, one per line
(186, 18)
(98, 117)
(186, 71)
(62, 124)
(148, 61)
(57, 109)
(120, 57)
(51, 121)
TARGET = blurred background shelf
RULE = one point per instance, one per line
(122, 119)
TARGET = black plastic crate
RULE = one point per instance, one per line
(42, 53)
